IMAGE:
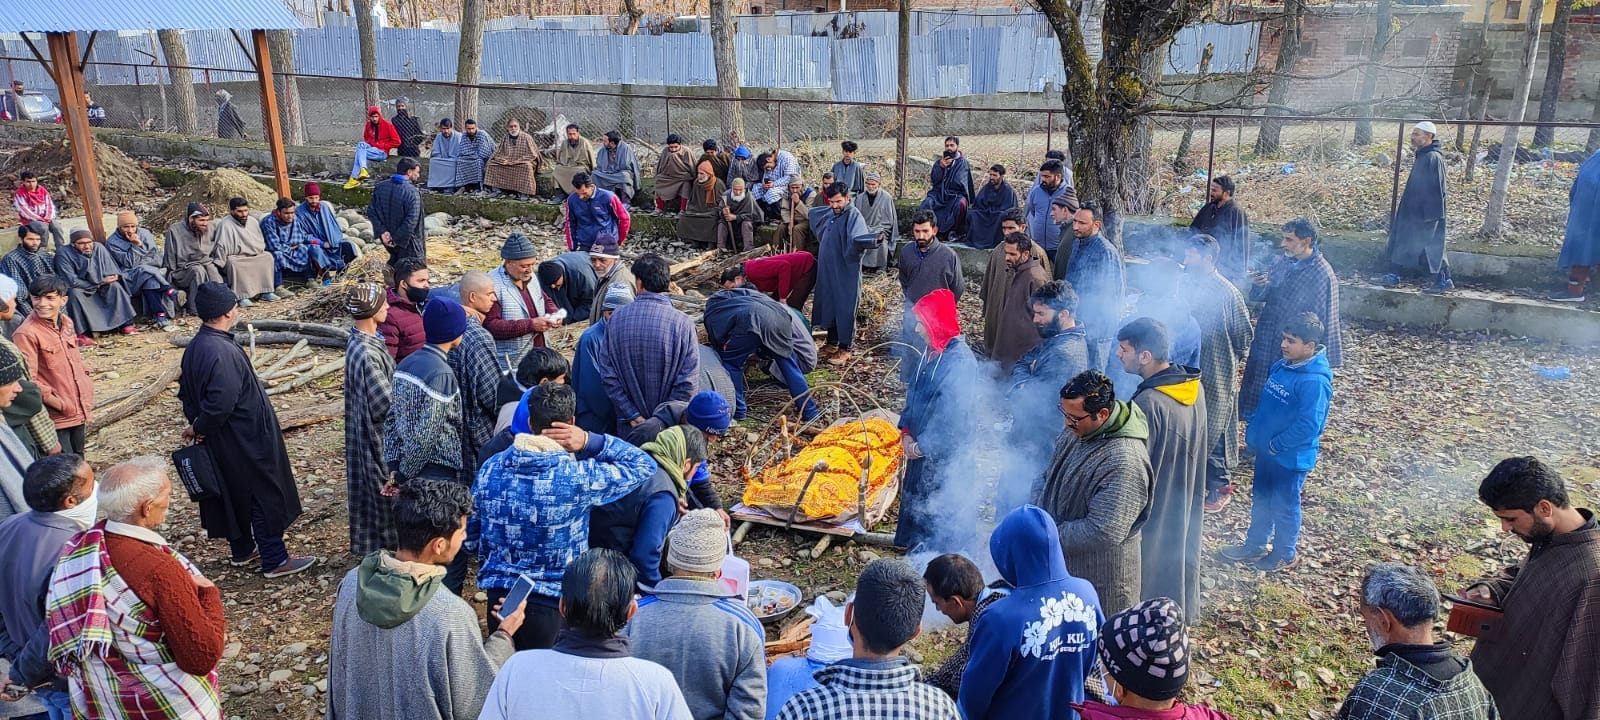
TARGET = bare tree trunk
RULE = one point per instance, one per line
(902, 93)
(632, 13)
(1180, 162)
(1594, 117)
(469, 62)
(1554, 69)
(182, 80)
(1494, 215)
(1369, 78)
(368, 37)
(724, 52)
(1479, 112)
(1270, 139)
(281, 45)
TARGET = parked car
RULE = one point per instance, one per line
(37, 107)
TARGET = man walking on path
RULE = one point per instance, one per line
(1416, 233)
(842, 235)
(1580, 250)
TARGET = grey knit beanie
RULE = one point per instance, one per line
(698, 543)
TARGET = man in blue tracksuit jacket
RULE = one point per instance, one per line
(1033, 649)
(1284, 433)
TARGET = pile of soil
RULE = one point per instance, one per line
(122, 179)
(213, 189)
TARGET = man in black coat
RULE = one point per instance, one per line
(1416, 233)
(228, 413)
(569, 279)
(741, 322)
(1223, 219)
(396, 214)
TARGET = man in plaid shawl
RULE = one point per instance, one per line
(1225, 334)
(368, 387)
(1301, 281)
(876, 682)
(477, 372)
(1416, 677)
(116, 602)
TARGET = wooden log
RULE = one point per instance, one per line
(134, 405)
(286, 373)
(283, 360)
(784, 648)
(114, 399)
(317, 372)
(678, 269)
(312, 415)
(271, 338)
(711, 273)
(303, 328)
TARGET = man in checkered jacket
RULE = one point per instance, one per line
(876, 682)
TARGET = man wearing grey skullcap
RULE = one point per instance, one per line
(188, 250)
(694, 626)
(368, 380)
(522, 312)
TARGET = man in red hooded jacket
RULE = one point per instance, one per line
(378, 139)
(936, 430)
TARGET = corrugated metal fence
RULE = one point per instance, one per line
(954, 55)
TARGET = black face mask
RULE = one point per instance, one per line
(417, 295)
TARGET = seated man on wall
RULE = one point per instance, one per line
(514, 166)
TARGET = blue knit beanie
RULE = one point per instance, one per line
(519, 417)
(443, 320)
(709, 412)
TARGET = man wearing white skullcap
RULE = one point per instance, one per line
(1416, 232)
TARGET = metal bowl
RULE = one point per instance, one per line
(764, 594)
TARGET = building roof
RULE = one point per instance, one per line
(98, 15)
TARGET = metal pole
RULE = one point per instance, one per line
(1394, 191)
(668, 101)
(780, 126)
(1211, 153)
(1049, 130)
(901, 150)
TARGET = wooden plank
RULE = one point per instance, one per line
(75, 114)
(269, 113)
(815, 527)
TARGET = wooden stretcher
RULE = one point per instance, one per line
(859, 529)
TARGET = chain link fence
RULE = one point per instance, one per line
(1316, 168)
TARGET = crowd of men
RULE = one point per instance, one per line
(583, 491)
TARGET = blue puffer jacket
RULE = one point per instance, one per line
(1287, 424)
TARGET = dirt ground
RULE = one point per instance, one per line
(1417, 420)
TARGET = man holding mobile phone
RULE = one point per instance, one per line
(394, 628)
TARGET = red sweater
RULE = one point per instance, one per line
(402, 331)
(190, 616)
(383, 136)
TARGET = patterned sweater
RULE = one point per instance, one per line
(422, 433)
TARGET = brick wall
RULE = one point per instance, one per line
(1419, 59)
(1579, 82)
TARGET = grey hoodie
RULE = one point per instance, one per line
(711, 642)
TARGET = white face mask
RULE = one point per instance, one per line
(84, 513)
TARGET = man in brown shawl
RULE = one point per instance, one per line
(698, 223)
(189, 259)
(993, 290)
(97, 302)
(241, 250)
(1015, 333)
(674, 176)
(794, 226)
(574, 155)
(514, 166)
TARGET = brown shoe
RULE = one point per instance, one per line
(841, 359)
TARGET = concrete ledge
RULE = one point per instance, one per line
(1470, 311)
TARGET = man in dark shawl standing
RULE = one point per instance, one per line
(1098, 488)
(1301, 281)
(514, 165)
(700, 218)
(295, 251)
(1051, 187)
(950, 192)
(242, 251)
(651, 354)
(140, 262)
(1416, 233)
(674, 176)
(736, 229)
(616, 170)
(877, 209)
(315, 219)
(27, 261)
(936, 429)
(569, 280)
(229, 124)
(368, 382)
(994, 198)
(1225, 334)
(228, 413)
(1095, 271)
(1016, 334)
(396, 214)
(99, 302)
(476, 149)
(444, 158)
(742, 321)
(406, 126)
(189, 259)
(842, 235)
(927, 264)
(1223, 219)
(1175, 406)
(847, 170)
(1580, 249)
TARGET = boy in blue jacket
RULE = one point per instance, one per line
(1284, 433)
(1032, 650)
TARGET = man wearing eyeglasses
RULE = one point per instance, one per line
(1098, 488)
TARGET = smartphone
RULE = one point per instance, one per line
(518, 595)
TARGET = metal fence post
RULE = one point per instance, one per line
(780, 126)
(1211, 155)
(902, 151)
(1394, 190)
(668, 102)
(1049, 130)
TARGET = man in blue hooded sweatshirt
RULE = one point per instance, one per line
(1284, 433)
(1033, 649)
